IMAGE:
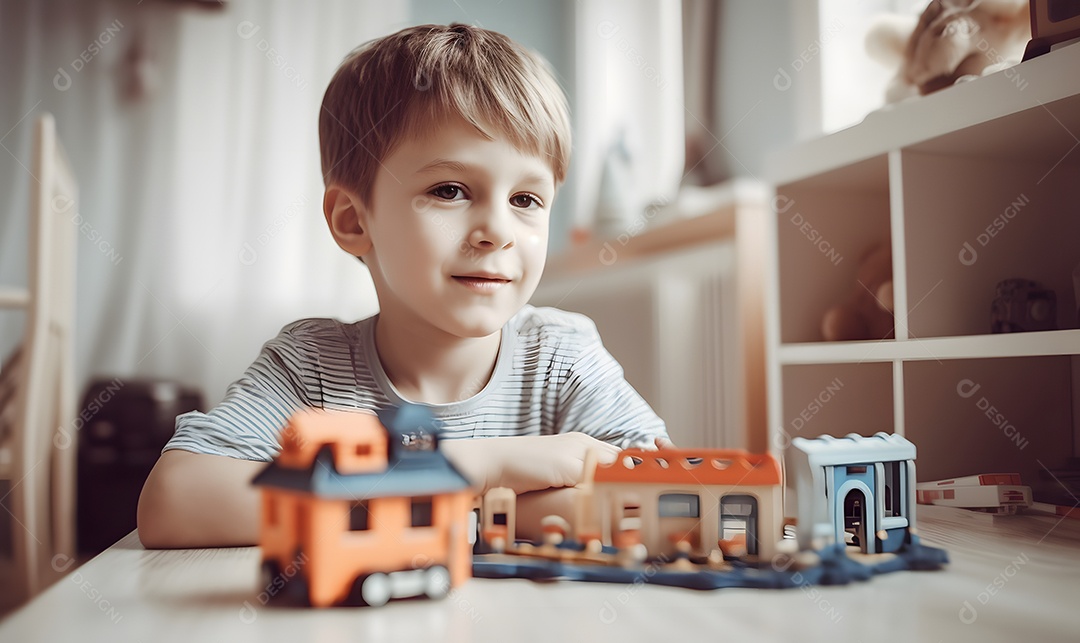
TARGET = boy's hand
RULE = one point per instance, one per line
(527, 463)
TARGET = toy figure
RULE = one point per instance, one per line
(952, 39)
(868, 312)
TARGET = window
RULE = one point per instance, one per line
(359, 516)
(893, 485)
(421, 512)
(680, 505)
(498, 519)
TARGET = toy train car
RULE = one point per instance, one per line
(362, 509)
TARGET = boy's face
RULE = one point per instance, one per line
(458, 228)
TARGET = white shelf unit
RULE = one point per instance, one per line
(974, 184)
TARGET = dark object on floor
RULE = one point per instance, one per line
(122, 427)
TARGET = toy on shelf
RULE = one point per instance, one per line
(1053, 22)
(1023, 305)
(867, 313)
(951, 40)
(996, 493)
(361, 509)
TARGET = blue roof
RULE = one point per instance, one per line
(415, 466)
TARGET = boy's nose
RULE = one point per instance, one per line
(492, 231)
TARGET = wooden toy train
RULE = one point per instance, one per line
(359, 508)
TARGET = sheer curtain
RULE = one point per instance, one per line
(193, 135)
(629, 82)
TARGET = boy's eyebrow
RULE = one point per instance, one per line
(456, 166)
(443, 164)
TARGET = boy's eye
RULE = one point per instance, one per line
(446, 192)
(525, 201)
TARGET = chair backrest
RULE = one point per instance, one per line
(44, 442)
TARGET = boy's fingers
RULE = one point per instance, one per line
(664, 443)
(606, 453)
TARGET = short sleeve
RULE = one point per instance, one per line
(596, 399)
(246, 424)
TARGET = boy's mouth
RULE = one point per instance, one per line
(482, 282)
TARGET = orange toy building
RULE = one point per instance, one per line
(695, 498)
(363, 510)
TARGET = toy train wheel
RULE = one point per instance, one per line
(375, 589)
(271, 569)
(436, 582)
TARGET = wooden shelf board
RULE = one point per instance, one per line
(1057, 342)
(1024, 87)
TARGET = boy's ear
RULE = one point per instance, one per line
(347, 217)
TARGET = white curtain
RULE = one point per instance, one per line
(193, 135)
(629, 80)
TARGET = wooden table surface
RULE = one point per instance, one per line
(1013, 579)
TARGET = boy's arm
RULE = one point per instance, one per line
(198, 500)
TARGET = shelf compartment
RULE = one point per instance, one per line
(988, 203)
(823, 226)
(991, 416)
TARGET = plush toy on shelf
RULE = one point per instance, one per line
(953, 39)
(868, 312)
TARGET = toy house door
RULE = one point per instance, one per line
(739, 519)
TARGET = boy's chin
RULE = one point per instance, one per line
(483, 324)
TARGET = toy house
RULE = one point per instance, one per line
(677, 500)
(364, 508)
(858, 489)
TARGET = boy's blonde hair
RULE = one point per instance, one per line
(409, 83)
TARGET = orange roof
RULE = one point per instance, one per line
(729, 467)
(356, 436)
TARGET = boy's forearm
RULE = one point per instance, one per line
(533, 506)
(197, 500)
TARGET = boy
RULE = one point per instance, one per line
(442, 148)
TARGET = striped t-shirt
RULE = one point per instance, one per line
(552, 375)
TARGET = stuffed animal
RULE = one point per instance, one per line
(867, 314)
(952, 40)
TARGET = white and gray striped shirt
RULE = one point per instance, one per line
(552, 375)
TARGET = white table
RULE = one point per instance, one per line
(1010, 580)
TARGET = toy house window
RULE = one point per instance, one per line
(359, 515)
(893, 485)
(680, 505)
(856, 470)
(421, 512)
(363, 450)
(498, 519)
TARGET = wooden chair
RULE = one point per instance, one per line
(38, 440)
